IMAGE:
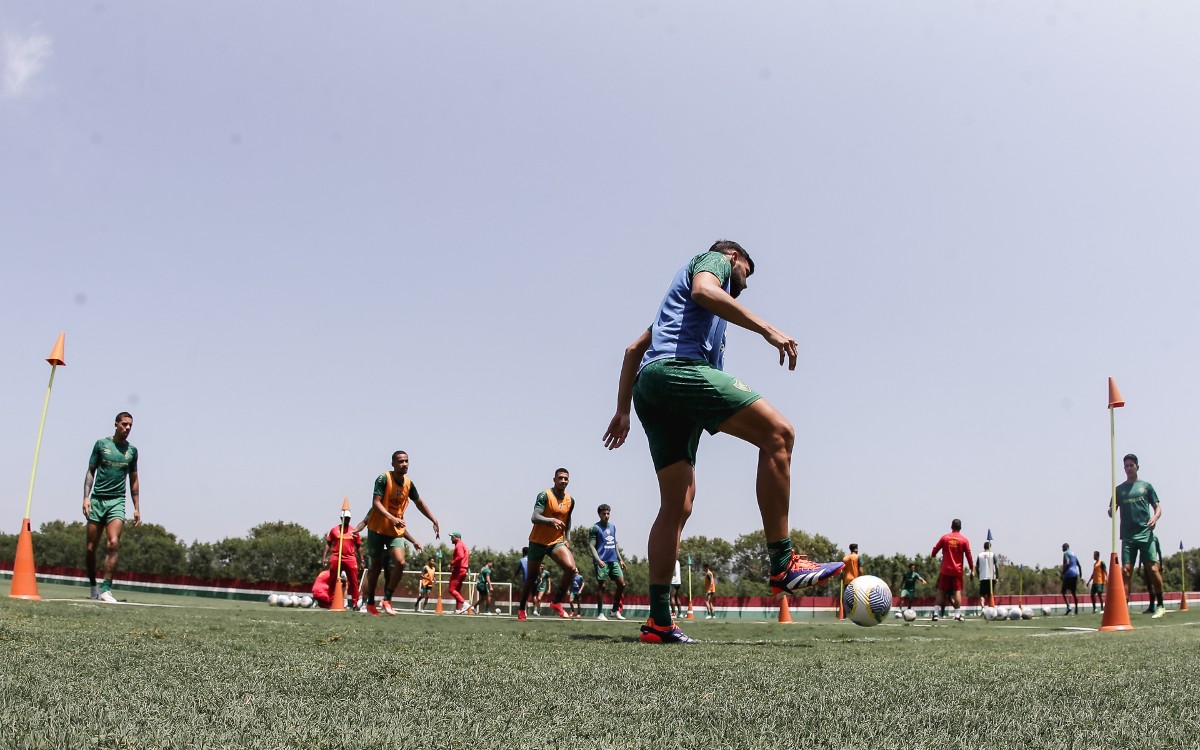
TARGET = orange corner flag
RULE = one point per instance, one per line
(1114, 395)
(785, 612)
(1116, 609)
(24, 580)
(345, 503)
(56, 356)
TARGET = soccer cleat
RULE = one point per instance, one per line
(934, 618)
(558, 610)
(465, 608)
(107, 597)
(520, 615)
(1158, 613)
(801, 573)
(372, 610)
(387, 608)
(601, 618)
(95, 592)
(617, 614)
(652, 633)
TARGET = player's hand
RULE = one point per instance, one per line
(437, 531)
(786, 345)
(557, 524)
(618, 430)
(87, 507)
(137, 517)
(417, 546)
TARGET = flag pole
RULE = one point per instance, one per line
(24, 577)
(1116, 609)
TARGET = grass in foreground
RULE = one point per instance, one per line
(74, 674)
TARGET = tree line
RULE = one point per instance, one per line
(288, 553)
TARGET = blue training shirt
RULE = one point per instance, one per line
(606, 541)
(685, 329)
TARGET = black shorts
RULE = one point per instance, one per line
(985, 587)
(1070, 584)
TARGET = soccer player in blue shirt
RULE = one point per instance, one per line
(673, 375)
(602, 543)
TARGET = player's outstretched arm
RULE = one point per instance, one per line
(709, 294)
(618, 426)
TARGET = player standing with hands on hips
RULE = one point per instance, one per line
(673, 375)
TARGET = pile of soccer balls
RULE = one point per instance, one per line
(290, 600)
(1009, 613)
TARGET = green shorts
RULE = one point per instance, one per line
(677, 398)
(425, 589)
(609, 571)
(378, 543)
(105, 510)
(538, 552)
(541, 587)
(483, 590)
(1131, 548)
(1097, 588)
(908, 594)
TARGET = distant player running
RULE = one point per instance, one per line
(428, 577)
(483, 588)
(113, 460)
(908, 590)
(673, 374)
(955, 550)
(1097, 580)
(1070, 577)
(1140, 510)
(710, 592)
(606, 556)
(551, 526)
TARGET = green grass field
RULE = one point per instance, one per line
(217, 674)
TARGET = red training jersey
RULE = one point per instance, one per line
(954, 547)
(350, 540)
(462, 556)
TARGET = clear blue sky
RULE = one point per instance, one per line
(294, 237)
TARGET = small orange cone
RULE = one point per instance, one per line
(56, 355)
(24, 580)
(691, 615)
(1114, 395)
(785, 612)
(1183, 607)
(338, 604)
(1116, 609)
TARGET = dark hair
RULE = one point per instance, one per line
(524, 551)
(956, 525)
(725, 247)
(987, 545)
(121, 416)
(854, 548)
(397, 453)
(1131, 457)
(561, 470)
(603, 507)
(1066, 546)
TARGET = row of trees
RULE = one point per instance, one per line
(289, 553)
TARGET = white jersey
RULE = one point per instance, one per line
(985, 566)
(675, 579)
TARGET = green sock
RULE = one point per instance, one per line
(660, 604)
(781, 554)
(106, 585)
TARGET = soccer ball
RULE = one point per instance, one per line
(293, 601)
(866, 600)
(910, 615)
(1046, 611)
(898, 614)
(273, 600)
(1027, 613)
(1014, 613)
(989, 613)
(306, 601)
(1001, 613)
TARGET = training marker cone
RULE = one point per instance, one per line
(1183, 607)
(691, 615)
(339, 597)
(1116, 609)
(785, 612)
(24, 580)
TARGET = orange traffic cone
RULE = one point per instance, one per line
(785, 612)
(1183, 607)
(24, 580)
(339, 597)
(1116, 609)
(691, 615)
